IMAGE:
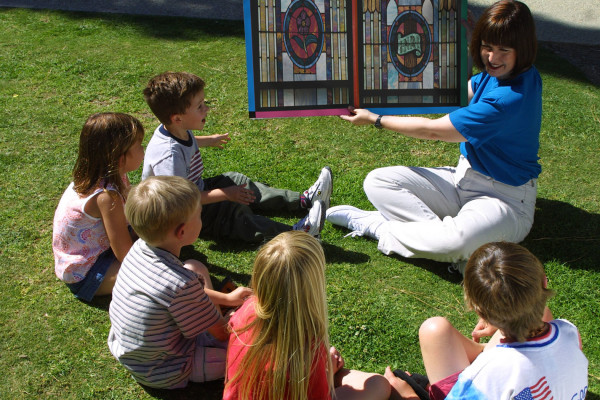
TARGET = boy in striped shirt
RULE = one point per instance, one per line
(166, 327)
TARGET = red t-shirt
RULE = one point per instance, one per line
(318, 389)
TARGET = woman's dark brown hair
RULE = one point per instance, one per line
(506, 23)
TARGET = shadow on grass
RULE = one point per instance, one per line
(101, 303)
(561, 232)
(162, 27)
(206, 391)
(240, 278)
(338, 255)
(335, 254)
(564, 233)
(438, 268)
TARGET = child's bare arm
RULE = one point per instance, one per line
(112, 213)
(237, 193)
(213, 140)
(232, 299)
(219, 330)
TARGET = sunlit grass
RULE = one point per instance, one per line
(57, 68)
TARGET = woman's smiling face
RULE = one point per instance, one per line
(499, 61)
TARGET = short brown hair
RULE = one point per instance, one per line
(160, 203)
(171, 93)
(505, 285)
(506, 23)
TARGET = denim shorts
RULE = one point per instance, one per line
(87, 288)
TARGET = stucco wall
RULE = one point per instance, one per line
(567, 21)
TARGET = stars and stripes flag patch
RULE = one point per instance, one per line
(539, 391)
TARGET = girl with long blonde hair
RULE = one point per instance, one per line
(278, 346)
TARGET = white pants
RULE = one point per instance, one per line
(446, 213)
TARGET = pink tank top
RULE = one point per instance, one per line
(78, 238)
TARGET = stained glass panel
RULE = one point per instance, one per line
(308, 57)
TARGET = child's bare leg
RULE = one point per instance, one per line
(109, 280)
(445, 350)
(200, 270)
(351, 384)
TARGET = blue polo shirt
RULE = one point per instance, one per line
(502, 126)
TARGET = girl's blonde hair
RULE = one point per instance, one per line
(290, 329)
(104, 139)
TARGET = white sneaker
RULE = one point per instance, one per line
(314, 220)
(320, 190)
(360, 222)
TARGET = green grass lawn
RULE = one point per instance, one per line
(58, 68)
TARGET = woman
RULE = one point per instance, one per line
(446, 213)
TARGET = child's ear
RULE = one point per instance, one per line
(180, 230)
(175, 119)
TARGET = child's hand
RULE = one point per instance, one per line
(482, 329)
(238, 296)
(213, 140)
(336, 359)
(239, 194)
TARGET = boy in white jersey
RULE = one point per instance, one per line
(230, 200)
(166, 328)
(529, 356)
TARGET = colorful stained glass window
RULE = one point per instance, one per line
(316, 57)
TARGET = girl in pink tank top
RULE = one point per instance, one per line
(90, 233)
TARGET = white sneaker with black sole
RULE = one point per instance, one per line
(313, 222)
(320, 190)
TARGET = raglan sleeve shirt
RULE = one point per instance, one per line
(170, 156)
(549, 366)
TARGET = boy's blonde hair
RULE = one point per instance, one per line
(290, 329)
(171, 93)
(159, 204)
(104, 139)
(506, 286)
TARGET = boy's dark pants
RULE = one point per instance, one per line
(227, 219)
